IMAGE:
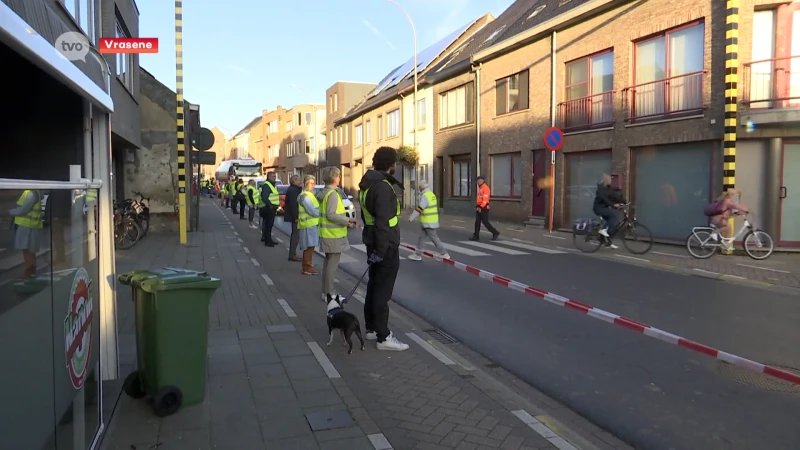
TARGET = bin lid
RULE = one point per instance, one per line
(170, 278)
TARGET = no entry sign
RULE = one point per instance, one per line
(553, 139)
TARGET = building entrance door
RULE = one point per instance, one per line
(539, 180)
(790, 195)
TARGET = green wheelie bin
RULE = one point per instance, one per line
(171, 314)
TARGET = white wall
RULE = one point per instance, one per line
(425, 135)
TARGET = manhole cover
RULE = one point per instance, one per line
(329, 420)
(441, 336)
(759, 380)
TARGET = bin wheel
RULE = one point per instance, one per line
(167, 401)
(133, 385)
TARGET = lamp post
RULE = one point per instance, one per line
(316, 125)
(416, 66)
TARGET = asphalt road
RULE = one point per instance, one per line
(648, 393)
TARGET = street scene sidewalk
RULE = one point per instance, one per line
(274, 384)
(781, 269)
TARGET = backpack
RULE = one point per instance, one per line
(714, 208)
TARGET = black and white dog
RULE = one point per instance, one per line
(345, 322)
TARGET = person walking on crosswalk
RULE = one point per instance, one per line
(428, 212)
(482, 211)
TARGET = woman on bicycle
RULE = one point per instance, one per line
(722, 210)
(606, 199)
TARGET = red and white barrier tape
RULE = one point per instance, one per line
(612, 318)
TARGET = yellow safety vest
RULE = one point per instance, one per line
(431, 212)
(274, 195)
(33, 218)
(304, 219)
(369, 219)
(250, 189)
(329, 229)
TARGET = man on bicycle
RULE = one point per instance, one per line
(606, 199)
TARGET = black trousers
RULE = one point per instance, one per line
(483, 218)
(235, 205)
(380, 287)
(251, 213)
(294, 240)
(242, 205)
(267, 221)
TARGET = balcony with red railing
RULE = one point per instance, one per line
(586, 113)
(772, 83)
(679, 96)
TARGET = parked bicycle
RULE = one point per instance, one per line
(142, 209)
(637, 238)
(127, 230)
(704, 242)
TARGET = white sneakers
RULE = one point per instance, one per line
(445, 255)
(392, 344)
(415, 257)
(603, 232)
(371, 336)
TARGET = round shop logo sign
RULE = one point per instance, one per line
(78, 329)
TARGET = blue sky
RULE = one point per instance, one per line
(241, 56)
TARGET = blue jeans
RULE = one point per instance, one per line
(610, 216)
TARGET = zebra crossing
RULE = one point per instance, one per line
(469, 248)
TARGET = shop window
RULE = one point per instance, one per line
(671, 186)
(461, 177)
(584, 170)
(512, 93)
(506, 178)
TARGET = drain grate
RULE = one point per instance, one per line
(441, 336)
(759, 380)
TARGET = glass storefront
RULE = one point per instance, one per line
(672, 184)
(49, 319)
(584, 170)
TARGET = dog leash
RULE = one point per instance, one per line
(355, 287)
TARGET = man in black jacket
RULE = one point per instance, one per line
(290, 214)
(606, 200)
(380, 211)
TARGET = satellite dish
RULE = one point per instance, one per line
(203, 139)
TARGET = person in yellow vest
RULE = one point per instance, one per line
(380, 209)
(251, 193)
(333, 227)
(270, 202)
(28, 225)
(308, 223)
(428, 212)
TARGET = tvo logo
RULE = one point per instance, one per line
(73, 45)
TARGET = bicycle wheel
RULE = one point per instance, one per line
(128, 235)
(587, 243)
(700, 245)
(758, 244)
(145, 224)
(637, 238)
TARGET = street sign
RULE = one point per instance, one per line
(204, 158)
(553, 139)
(203, 139)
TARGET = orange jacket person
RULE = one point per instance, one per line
(482, 211)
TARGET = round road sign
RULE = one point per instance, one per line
(553, 139)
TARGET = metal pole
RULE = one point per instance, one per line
(416, 85)
(731, 101)
(180, 124)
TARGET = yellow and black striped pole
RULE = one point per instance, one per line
(731, 99)
(182, 217)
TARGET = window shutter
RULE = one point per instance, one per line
(501, 97)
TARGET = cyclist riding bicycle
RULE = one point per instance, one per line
(721, 210)
(606, 200)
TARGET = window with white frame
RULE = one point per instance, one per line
(83, 13)
(289, 125)
(369, 131)
(359, 135)
(393, 123)
(421, 113)
(125, 62)
(457, 106)
(275, 150)
(380, 127)
(511, 93)
(272, 127)
(308, 118)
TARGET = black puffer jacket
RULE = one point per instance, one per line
(381, 202)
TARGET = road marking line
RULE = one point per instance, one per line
(379, 441)
(232, 228)
(359, 298)
(734, 276)
(279, 240)
(267, 279)
(459, 220)
(763, 268)
(457, 226)
(239, 239)
(459, 249)
(236, 233)
(669, 254)
(554, 237)
(286, 308)
(705, 271)
(336, 280)
(494, 247)
(246, 250)
(574, 250)
(633, 258)
(516, 230)
(323, 360)
(531, 247)
(431, 349)
(255, 263)
(543, 430)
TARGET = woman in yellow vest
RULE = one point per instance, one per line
(333, 227)
(428, 212)
(28, 225)
(308, 223)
